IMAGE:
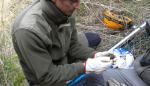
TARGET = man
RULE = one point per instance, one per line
(45, 39)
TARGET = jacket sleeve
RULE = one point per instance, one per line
(33, 51)
(79, 51)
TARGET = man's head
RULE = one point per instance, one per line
(67, 6)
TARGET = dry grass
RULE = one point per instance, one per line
(90, 15)
(11, 74)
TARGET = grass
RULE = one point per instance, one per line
(11, 74)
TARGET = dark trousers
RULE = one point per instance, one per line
(90, 80)
(126, 76)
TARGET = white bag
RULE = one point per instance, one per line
(124, 59)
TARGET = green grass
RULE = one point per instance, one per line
(11, 73)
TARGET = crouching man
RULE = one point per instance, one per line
(45, 40)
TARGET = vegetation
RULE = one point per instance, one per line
(12, 73)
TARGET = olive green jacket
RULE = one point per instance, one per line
(47, 45)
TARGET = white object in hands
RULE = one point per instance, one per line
(97, 65)
(124, 59)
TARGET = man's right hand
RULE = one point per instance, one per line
(98, 64)
(104, 54)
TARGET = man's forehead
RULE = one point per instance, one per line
(74, 0)
(71, 0)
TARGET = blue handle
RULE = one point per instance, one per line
(76, 80)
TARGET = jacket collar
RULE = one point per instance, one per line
(52, 13)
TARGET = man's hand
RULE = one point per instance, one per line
(98, 64)
(113, 82)
(104, 54)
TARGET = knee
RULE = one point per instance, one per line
(89, 39)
